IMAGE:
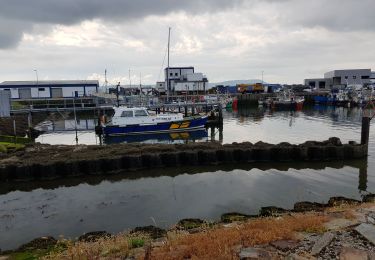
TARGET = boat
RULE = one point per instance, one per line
(286, 100)
(138, 120)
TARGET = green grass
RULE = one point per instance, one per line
(10, 147)
(136, 242)
(12, 139)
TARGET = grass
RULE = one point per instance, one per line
(212, 243)
(118, 246)
(220, 243)
(6, 147)
(12, 139)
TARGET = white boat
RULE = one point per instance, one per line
(138, 120)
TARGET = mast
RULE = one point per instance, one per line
(169, 41)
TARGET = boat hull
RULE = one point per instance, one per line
(187, 124)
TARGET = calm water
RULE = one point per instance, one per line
(162, 197)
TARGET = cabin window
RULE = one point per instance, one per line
(127, 114)
(176, 74)
(171, 74)
(140, 113)
(41, 89)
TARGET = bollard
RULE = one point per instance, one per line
(365, 132)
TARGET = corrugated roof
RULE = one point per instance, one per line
(50, 82)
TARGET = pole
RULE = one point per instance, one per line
(75, 119)
(365, 131)
(169, 40)
(37, 80)
(117, 94)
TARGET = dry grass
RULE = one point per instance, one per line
(212, 243)
(221, 243)
(118, 246)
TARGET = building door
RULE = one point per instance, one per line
(24, 93)
(56, 92)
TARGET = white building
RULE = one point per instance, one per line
(183, 80)
(341, 78)
(50, 89)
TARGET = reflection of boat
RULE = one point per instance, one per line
(135, 121)
(158, 138)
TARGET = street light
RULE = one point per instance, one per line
(37, 80)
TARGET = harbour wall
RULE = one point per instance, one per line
(41, 162)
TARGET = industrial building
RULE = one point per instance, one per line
(183, 80)
(50, 89)
(337, 78)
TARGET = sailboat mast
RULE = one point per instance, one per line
(169, 41)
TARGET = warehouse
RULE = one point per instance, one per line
(343, 78)
(50, 89)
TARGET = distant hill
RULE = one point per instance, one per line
(235, 82)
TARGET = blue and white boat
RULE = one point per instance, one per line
(138, 120)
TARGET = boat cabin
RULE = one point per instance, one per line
(140, 116)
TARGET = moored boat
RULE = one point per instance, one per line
(137, 120)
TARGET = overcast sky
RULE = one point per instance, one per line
(287, 39)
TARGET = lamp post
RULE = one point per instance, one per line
(37, 80)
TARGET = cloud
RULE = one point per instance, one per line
(19, 16)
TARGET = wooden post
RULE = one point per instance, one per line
(365, 132)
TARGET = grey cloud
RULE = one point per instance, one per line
(25, 13)
(335, 15)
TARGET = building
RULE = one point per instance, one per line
(4, 103)
(337, 78)
(184, 80)
(50, 89)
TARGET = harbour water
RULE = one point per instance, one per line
(161, 197)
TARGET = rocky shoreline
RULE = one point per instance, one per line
(38, 162)
(348, 230)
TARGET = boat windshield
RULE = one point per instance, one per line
(127, 114)
(140, 113)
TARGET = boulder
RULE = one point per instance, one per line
(271, 211)
(338, 201)
(38, 243)
(152, 231)
(93, 236)
(308, 206)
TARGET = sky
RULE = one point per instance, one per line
(287, 40)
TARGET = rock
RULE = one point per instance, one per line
(308, 206)
(38, 243)
(153, 231)
(348, 253)
(295, 257)
(339, 201)
(190, 223)
(285, 245)
(271, 211)
(93, 236)
(321, 243)
(253, 253)
(234, 216)
(339, 223)
(369, 198)
(367, 231)
(335, 141)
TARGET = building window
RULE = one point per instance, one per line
(171, 74)
(41, 89)
(365, 77)
(354, 77)
(346, 77)
(7, 89)
(176, 74)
